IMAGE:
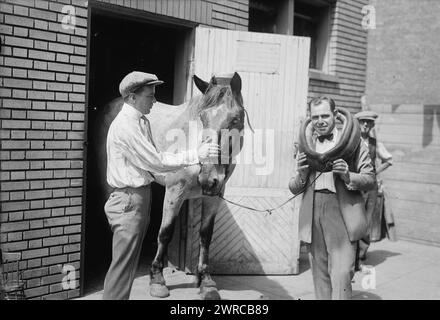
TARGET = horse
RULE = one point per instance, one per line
(218, 108)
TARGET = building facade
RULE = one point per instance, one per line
(54, 60)
(403, 87)
(338, 42)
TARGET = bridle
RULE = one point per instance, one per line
(220, 158)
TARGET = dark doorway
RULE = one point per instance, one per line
(119, 45)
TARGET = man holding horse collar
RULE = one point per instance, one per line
(131, 156)
(332, 214)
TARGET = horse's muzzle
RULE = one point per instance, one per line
(211, 187)
(211, 179)
(209, 193)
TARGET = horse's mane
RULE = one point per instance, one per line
(212, 98)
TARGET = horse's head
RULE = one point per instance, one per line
(222, 115)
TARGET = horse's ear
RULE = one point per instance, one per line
(200, 84)
(236, 83)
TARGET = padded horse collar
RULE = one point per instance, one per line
(344, 148)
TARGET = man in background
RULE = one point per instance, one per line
(381, 160)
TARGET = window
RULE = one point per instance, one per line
(306, 18)
(263, 16)
(312, 19)
(275, 16)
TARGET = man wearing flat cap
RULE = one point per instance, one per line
(378, 220)
(131, 156)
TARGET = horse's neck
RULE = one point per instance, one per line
(172, 120)
(188, 116)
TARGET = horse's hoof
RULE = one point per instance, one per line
(159, 290)
(209, 293)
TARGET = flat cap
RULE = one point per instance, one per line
(135, 80)
(366, 115)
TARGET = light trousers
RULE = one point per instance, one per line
(128, 213)
(332, 254)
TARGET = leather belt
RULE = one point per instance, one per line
(326, 191)
(125, 189)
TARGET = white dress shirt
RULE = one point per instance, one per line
(131, 153)
(326, 179)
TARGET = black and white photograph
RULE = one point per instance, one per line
(241, 151)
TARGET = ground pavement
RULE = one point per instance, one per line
(402, 270)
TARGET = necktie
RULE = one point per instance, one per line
(328, 137)
(147, 130)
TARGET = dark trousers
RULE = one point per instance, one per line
(370, 208)
(128, 213)
(332, 254)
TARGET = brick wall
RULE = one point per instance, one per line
(43, 69)
(42, 121)
(348, 54)
(227, 14)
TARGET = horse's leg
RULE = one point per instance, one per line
(208, 288)
(171, 207)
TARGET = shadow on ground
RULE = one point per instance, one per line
(364, 295)
(252, 288)
(304, 262)
(377, 257)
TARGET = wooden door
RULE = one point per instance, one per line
(274, 72)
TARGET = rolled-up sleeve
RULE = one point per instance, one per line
(383, 154)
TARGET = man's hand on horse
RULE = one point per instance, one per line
(340, 167)
(302, 166)
(207, 151)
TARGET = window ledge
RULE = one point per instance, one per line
(321, 76)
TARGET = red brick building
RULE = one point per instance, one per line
(58, 66)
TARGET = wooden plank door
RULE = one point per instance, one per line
(274, 72)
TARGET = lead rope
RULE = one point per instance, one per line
(248, 121)
(269, 211)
